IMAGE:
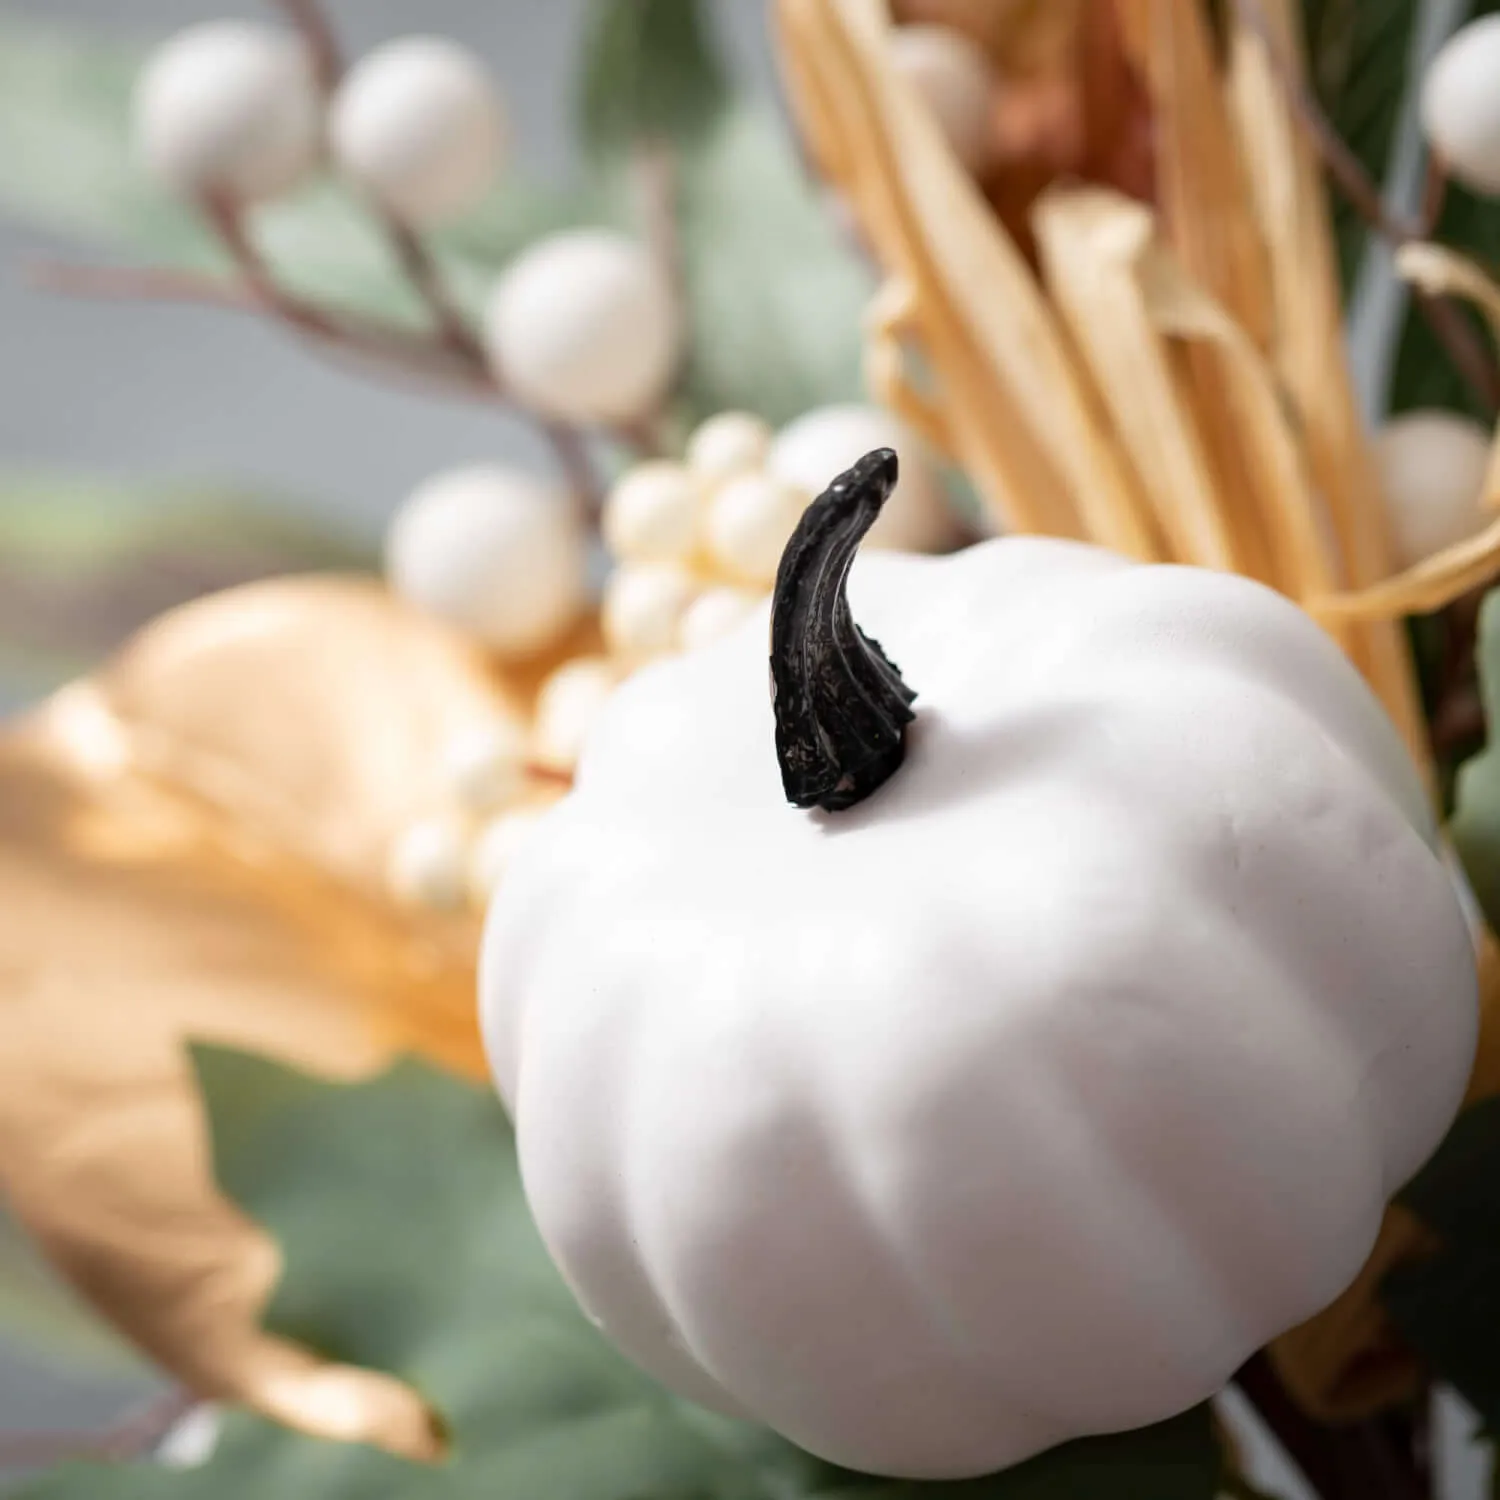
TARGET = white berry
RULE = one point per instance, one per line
(229, 108)
(584, 327)
(418, 124)
(1461, 104)
(750, 521)
(568, 707)
(733, 442)
(954, 79)
(429, 864)
(653, 513)
(1432, 470)
(485, 767)
(714, 613)
(813, 450)
(643, 604)
(493, 551)
(497, 846)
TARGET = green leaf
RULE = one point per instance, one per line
(775, 297)
(777, 302)
(408, 1247)
(649, 72)
(1475, 827)
(1359, 54)
(1424, 374)
(66, 164)
(84, 562)
(1448, 1307)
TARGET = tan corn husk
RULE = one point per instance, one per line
(1172, 384)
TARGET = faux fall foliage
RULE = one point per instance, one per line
(1150, 358)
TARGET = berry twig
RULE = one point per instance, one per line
(375, 350)
(423, 273)
(136, 1434)
(308, 18)
(1448, 323)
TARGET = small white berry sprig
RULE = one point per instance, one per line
(696, 543)
(583, 333)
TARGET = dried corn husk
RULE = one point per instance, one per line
(1040, 454)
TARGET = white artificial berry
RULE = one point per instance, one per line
(643, 603)
(418, 124)
(568, 707)
(1432, 467)
(429, 864)
(813, 450)
(750, 520)
(953, 76)
(733, 442)
(495, 552)
(484, 768)
(1461, 104)
(714, 613)
(653, 513)
(231, 109)
(584, 327)
(497, 845)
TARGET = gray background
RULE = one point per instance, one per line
(155, 391)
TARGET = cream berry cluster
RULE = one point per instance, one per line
(696, 542)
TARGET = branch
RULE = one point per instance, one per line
(387, 353)
(308, 18)
(1448, 323)
(138, 1433)
(421, 269)
(1359, 1462)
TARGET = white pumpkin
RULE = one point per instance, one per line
(1029, 1097)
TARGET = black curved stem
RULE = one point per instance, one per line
(841, 706)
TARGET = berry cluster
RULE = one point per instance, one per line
(697, 543)
(583, 331)
(582, 328)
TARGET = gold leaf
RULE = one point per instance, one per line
(190, 849)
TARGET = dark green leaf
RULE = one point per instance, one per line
(66, 164)
(1359, 59)
(775, 297)
(85, 562)
(408, 1247)
(1475, 826)
(1424, 374)
(1448, 1307)
(649, 72)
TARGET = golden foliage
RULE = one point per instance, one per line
(191, 846)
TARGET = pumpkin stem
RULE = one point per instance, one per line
(841, 706)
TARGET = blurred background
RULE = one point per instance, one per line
(157, 394)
